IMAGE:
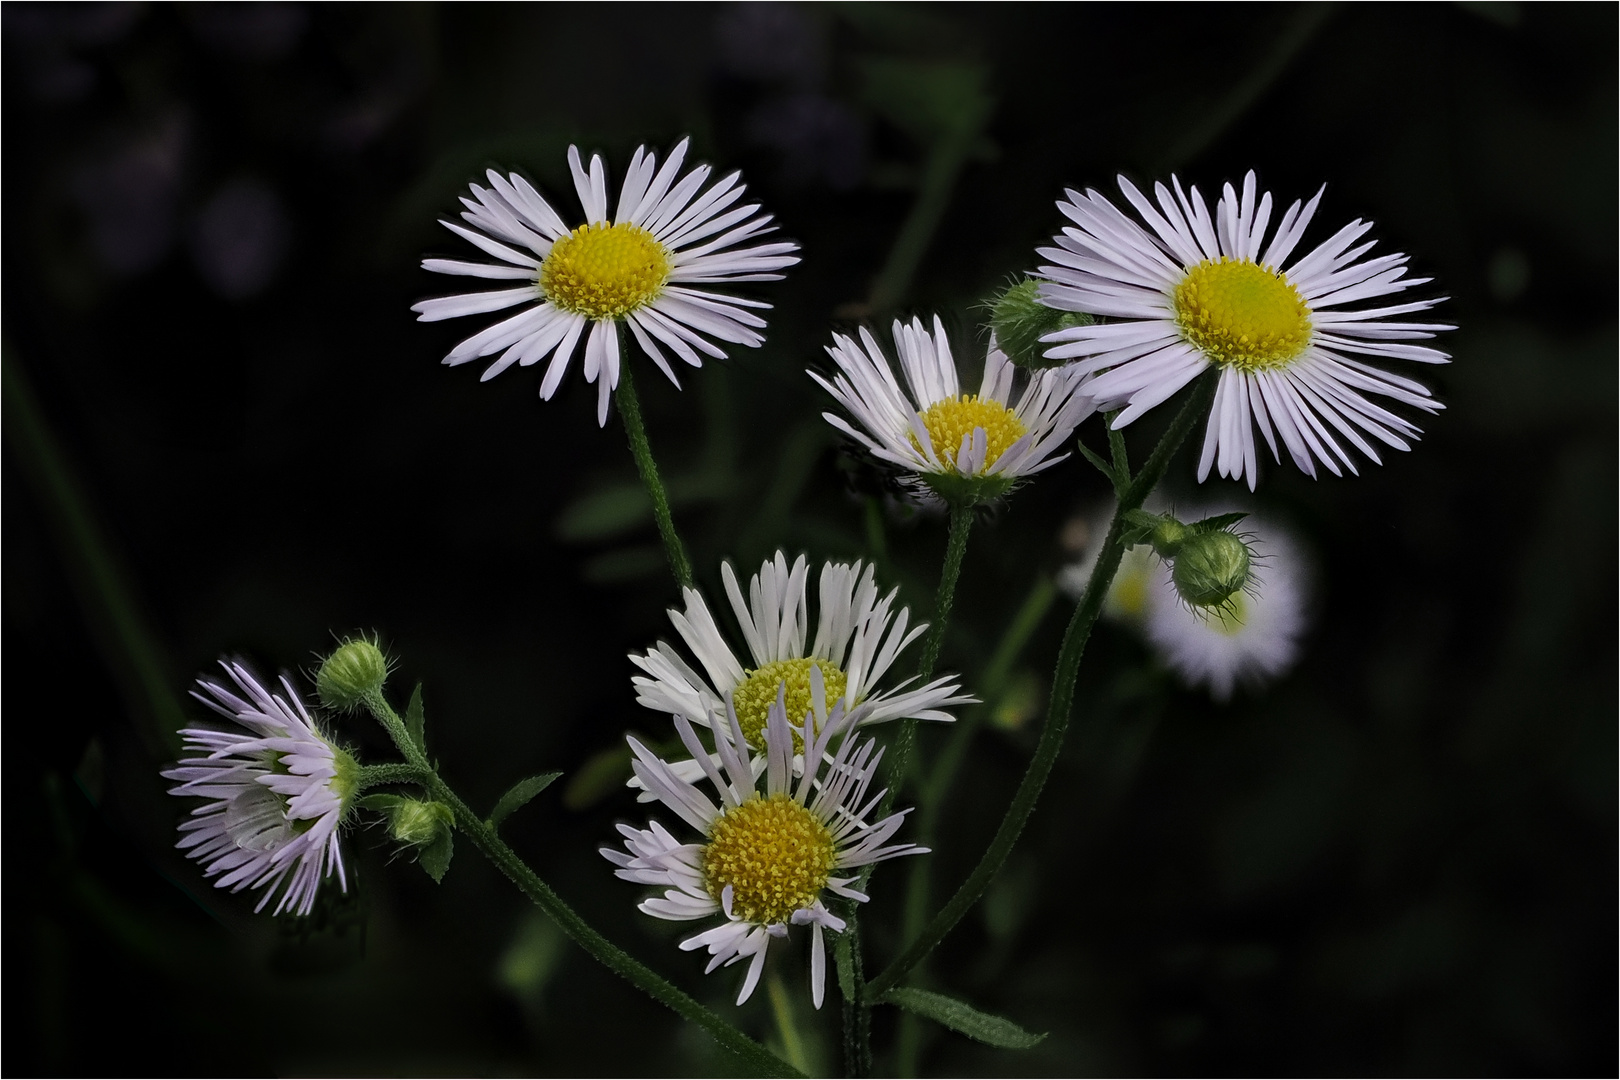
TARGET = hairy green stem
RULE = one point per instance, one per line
(391, 773)
(636, 432)
(1057, 715)
(486, 840)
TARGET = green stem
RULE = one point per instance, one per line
(484, 838)
(636, 431)
(111, 613)
(393, 773)
(1057, 715)
(782, 1006)
(955, 550)
(945, 162)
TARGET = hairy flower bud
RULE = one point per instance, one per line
(355, 670)
(1018, 319)
(418, 823)
(1210, 567)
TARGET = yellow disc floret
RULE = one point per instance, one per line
(755, 695)
(604, 271)
(1241, 314)
(774, 854)
(949, 420)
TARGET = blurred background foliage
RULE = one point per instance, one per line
(224, 433)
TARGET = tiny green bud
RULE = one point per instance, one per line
(1210, 567)
(356, 670)
(418, 823)
(1018, 319)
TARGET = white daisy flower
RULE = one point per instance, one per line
(857, 640)
(957, 445)
(638, 268)
(278, 792)
(1197, 292)
(766, 859)
(1253, 637)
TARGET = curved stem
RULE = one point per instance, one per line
(486, 840)
(1057, 714)
(641, 449)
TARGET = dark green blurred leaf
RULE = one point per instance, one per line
(601, 773)
(929, 100)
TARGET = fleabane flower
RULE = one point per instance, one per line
(642, 268)
(961, 447)
(1189, 292)
(277, 792)
(1252, 637)
(858, 636)
(767, 858)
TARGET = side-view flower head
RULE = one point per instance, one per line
(857, 639)
(1198, 291)
(959, 446)
(766, 859)
(641, 267)
(278, 791)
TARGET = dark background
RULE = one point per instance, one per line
(224, 433)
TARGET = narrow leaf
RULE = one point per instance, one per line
(521, 793)
(1217, 523)
(1102, 466)
(845, 966)
(414, 720)
(435, 857)
(383, 804)
(964, 1018)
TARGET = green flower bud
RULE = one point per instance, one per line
(418, 823)
(356, 670)
(1018, 319)
(1210, 568)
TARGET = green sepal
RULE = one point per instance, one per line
(1217, 523)
(844, 964)
(519, 794)
(959, 490)
(435, 857)
(415, 722)
(964, 1018)
(1102, 466)
(383, 804)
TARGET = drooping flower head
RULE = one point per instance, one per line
(643, 267)
(277, 792)
(1252, 637)
(857, 640)
(766, 858)
(959, 446)
(1198, 291)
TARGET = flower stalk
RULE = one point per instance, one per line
(641, 449)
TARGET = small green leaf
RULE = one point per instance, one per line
(415, 721)
(845, 966)
(1217, 523)
(1102, 466)
(520, 793)
(964, 1018)
(435, 857)
(383, 804)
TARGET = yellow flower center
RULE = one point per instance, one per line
(1243, 315)
(949, 420)
(604, 271)
(755, 695)
(773, 853)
